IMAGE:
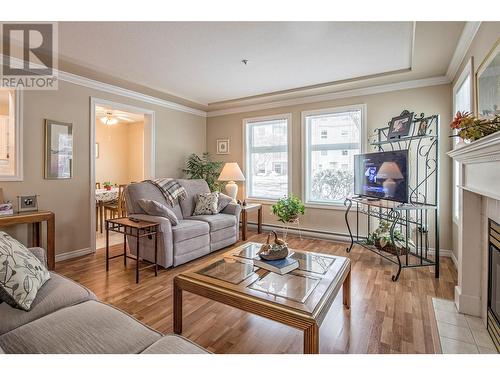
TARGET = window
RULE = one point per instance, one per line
(10, 133)
(462, 101)
(345, 127)
(267, 157)
(324, 152)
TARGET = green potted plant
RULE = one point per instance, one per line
(381, 239)
(205, 168)
(107, 185)
(288, 210)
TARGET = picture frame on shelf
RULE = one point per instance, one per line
(400, 125)
(422, 128)
(58, 150)
(488, 84)
(27, 203)
(222, 146)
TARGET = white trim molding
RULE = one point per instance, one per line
(425, 82)
(73, 254)
(18, 137)
(464, 42)
(112, 89)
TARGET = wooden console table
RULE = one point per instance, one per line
(36, 218)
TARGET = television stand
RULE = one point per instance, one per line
(404, 233)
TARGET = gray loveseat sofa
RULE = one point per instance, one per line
(193, 236)
(66, 318)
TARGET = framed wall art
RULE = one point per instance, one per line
(488, 84)
(223, 146)
(58, 150)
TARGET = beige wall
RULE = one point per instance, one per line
(177, 135)
(380, 109)
(486, 37)
(121, 153)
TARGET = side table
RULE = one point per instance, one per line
(135, 229)
(244, 218)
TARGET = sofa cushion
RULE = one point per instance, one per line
(224, 200)
(145, 190)
(21, 273)
(206, 204)
(155, 208)
(173, 344)
(87, 328)
(193, 188)
(216, 222)
(58, 292)
(187, 229)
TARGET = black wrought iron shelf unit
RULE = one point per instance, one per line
(417, 220)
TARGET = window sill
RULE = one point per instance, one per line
(326, 206)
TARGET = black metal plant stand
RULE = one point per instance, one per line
(419, 218)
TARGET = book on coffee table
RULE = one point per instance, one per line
(280, 266)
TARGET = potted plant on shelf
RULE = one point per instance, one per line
(471, 128)
(381, 239)
(107, 185)
(205, 168)
(288, 210)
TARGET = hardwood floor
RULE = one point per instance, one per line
(385, 316)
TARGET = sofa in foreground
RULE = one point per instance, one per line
(67, 318)
(191, 236)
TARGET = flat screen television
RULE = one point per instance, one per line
(382, 175)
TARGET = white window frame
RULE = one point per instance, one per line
(18, 176)
(305, 153)
(282, 116)
(468, 71)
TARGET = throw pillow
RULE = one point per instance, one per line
(206, 204)
(21, 273)
(224, 200)
(155, 208)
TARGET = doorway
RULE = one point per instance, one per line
(122, 152)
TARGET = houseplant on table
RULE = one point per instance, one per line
(205, 168)
(288, 210)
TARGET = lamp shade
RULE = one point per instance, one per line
(389, 169)
(231, 172)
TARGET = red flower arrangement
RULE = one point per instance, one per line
(472, 128)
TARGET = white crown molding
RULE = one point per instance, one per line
(484, 150)
(112, 89)
(464, 42)
(432, 81)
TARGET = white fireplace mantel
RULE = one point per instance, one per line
(479, 180)
(484, 150)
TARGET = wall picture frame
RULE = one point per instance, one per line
(488, 84)
(223, 146)
(58, 150)
(400, 125)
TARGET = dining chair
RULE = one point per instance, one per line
(116, 208)
(97, 185)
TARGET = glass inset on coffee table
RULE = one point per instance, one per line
(228, 269)
(300, 299)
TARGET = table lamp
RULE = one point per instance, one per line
(389, 171)
(231, 172)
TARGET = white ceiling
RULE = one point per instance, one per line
(201, 61)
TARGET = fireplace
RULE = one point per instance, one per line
(493, 313)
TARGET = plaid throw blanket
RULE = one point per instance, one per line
(170, 188)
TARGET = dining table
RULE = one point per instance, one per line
(102, 197)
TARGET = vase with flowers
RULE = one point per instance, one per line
(471, 128)
(107, 185)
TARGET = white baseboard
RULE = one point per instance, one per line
(467, 304)
(73, 254)
(454, 259)
(341, 237)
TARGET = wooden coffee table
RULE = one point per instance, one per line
(300, 299)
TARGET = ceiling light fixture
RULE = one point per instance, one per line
(244, 61)
(109, 119)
